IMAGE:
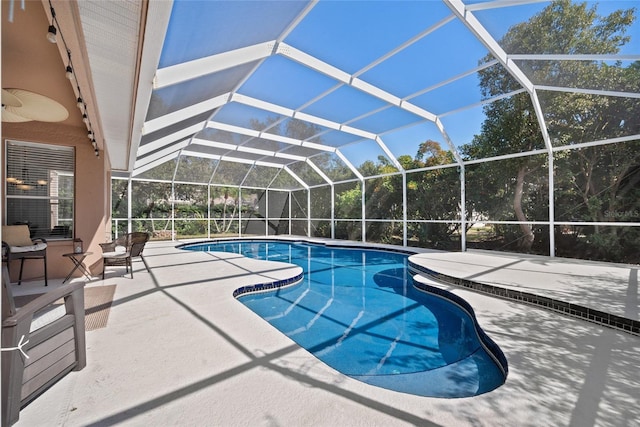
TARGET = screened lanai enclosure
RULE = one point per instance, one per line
(501, 125)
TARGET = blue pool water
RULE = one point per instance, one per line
(358, 311)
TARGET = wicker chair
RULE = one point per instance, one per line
(17, 244)
(123, 249)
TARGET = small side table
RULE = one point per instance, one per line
(77, 259)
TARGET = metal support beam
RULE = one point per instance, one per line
(333, 211)
(239, 212)
(148, 166)
(547, 142)
(266, 212)
(463, 210)
(182, 72)
(129, 206)
(363, 212)
(309, 213)
(472, 23)
(290, 200)
(389, 154)
(350, 165)
(552, 234)
(404, 208)
(345, 78)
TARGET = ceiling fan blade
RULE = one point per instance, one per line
(10, 117)
(37, 107)
(10, 99)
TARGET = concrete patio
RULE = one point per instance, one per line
(178, 349)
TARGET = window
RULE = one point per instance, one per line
(40, 188)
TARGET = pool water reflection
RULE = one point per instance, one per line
(358, 311)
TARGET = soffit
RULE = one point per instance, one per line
(112, 35)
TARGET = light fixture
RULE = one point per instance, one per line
(24, 183)
(54, 28)
(51, 34)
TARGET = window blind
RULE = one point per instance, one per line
(40, 188)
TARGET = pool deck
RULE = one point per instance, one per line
(179, 350)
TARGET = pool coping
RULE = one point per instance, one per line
(599, 317)
(489, 345)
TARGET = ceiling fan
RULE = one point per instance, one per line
(19, 105)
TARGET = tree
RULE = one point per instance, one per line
(432, 194)
(348, 205)
(383, 200)
(511, 126)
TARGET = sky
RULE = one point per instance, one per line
(350, 35)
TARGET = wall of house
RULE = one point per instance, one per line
(92, 188)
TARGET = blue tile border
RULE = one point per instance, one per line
(266, 287)
(610, 320)
(260, 287)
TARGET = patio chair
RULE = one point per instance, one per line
(122, 250)
(17, 244)
(50, 332)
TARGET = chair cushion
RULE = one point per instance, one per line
(16, 235)
(30, 248)
(117, 254)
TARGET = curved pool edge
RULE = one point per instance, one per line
(490, 346)
(571, 309)
(257, 287)
(268, 287)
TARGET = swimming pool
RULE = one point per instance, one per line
(358, 311)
